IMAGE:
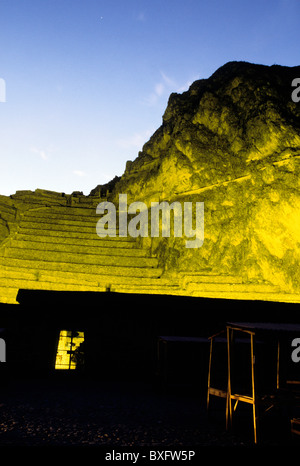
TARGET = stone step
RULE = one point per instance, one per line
(13, 277)
(109, 242)
(80, 248)
(66, 229)
(89, 226)
(199, 278)
(231, 288)
(8, 295)
(9, 288)
(7, 272)
(248, 296)
(57, 248)
(56, 216)
(61, 210)
(61, 213)
(7, 212)
(168, 289)
(105, 269)
(80, 258)
(60, 220)
(40, 201)
(60, 225)
(13, 283)
(59, 233)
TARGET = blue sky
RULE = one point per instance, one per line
(87, 81)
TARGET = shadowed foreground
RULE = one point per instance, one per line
(85, 413)
(120, 400)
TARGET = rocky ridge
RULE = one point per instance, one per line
(231, 141)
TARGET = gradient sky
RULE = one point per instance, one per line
(87, 81)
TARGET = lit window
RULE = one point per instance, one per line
(69, 350)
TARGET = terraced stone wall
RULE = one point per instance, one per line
(8, 217)
(231, 141)
(251, 229)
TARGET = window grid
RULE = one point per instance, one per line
(68, 342)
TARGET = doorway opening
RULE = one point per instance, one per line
(70, 351)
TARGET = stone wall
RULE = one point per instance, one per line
(252, 230)
(233, 142)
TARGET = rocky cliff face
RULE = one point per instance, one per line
(231, 141)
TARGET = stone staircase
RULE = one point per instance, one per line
(57, 248)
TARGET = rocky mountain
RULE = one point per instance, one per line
(222, 128)
(231, 141)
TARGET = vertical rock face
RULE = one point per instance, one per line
(231, 141)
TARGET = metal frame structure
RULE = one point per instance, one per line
(253, 330)
(213, 391)
(240, 397)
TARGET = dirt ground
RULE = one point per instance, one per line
(72, 412)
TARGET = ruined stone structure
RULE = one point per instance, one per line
(231, 141)
(49, 242)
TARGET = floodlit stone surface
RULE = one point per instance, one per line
(231, 141)
(52, 244)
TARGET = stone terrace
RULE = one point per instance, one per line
(48, 241)
(55, 247)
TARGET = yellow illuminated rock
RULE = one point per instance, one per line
(234, 143)
(231, 141)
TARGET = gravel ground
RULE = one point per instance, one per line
(87, 413)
